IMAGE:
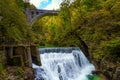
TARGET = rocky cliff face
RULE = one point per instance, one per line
(110, 69)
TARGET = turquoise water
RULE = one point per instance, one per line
(93, 77)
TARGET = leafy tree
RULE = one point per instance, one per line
(13, 25)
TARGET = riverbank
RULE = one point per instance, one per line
(110, 70)
(17, 73)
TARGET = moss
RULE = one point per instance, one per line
(20, 71)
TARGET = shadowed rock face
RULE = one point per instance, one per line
(33, 14)
(109, 69)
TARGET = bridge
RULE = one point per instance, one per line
(33, 14)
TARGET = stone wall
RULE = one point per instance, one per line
(21, 55)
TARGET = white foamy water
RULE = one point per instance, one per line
(63, 66)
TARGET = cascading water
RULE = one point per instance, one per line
(63, 64)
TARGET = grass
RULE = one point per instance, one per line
(47, 46)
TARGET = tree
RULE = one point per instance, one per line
(13, 24)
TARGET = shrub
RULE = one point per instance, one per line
(20, 71)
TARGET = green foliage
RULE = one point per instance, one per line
(4, 76)
(29, 6)
(20, 71)
(114, 46)
(113, 49)
(65, 15)
(1, 68)
(20, 3)
(47, 46)
(13, 24)
(2, 71)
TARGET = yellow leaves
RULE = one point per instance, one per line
(14, 21)
(116, 7)
(116, 10)
(14, 33)
(47, 37)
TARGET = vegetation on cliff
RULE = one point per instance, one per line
(13, 24)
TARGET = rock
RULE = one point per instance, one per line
(110, 69)
(12, 73)
(96, 72)
(117, 74)
(28, 74)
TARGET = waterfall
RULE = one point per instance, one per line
(62, 64)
